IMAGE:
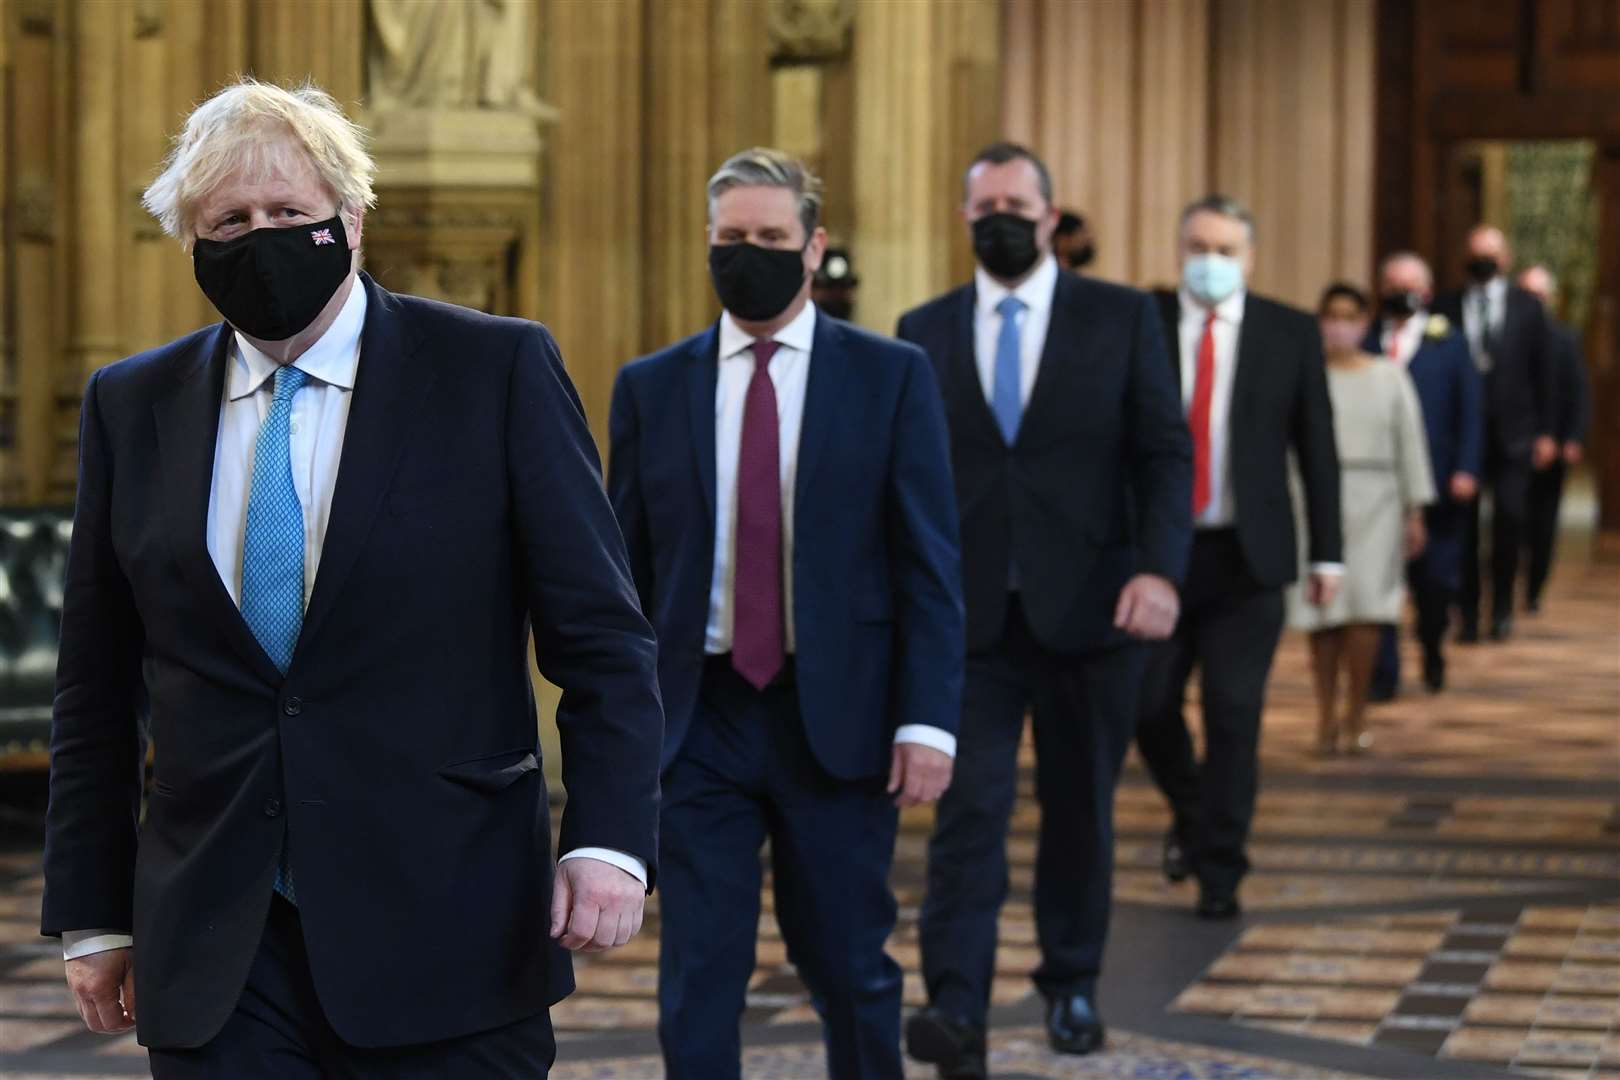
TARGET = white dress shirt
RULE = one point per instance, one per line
(1221, 513)
(1036, 293)
(789, 370)
(1495, 292)
(320, 417)
(1408, 337)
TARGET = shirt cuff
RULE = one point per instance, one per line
(1328, 569)
(77, 943)
(628, 863)
(929, 736)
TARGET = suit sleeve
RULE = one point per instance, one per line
(1314, 446)
(624, 484)
(1469, 400)
(1160, 451)
(925, 553)
(1577, 395)
(97, 736)
(1544, 363)
(590, 637)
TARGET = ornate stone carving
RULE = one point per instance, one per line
(811, 29)
(449, 54)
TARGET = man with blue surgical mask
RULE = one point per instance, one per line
(1253, 388)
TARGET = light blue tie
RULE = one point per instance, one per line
(273, 548)
(1006, 388)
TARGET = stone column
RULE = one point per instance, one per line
(320, 40)
(10, 476)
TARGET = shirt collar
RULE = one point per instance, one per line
(331, 360)
(1229, 310)
(1035, 291)
(798, 334)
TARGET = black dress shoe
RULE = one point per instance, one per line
(1217, 903)
(1177, 867)
(1468, 634)
(1073, 1025)
(1502, 628)
(955, 1047)
(1434, 673)
(1382, 692)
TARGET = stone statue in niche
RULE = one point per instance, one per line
(450, 54)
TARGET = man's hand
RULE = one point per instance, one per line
(1416, 537)
(103, 986)
(595, 906)
(1464, 487)
(1573, 453)
(1544, 451)
(920, 774)
(1322, 588)
(1148, 608)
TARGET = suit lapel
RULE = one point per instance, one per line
(391, 385)
(1248, 357)
(1061, 332)
(702, 377)
(187, 421)
(829, 366)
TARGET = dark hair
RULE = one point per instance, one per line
(1342, 290)
(1069, 221)
(1000, 154)
(1225, 206)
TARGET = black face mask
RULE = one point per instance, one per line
(1400, 305)
(272, 283)
(1082, 257)
(1481, 268)
(755, 283)
(1005, 244)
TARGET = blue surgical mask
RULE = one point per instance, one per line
(1212, 278)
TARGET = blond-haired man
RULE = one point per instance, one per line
(309, 545)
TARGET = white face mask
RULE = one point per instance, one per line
(1211, 278)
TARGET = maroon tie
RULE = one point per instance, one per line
(758, 631)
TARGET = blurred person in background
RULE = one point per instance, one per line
(1385, 483)
(1072, 241)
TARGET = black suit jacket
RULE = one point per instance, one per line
(1279, 403)
(398, 755)
(1096, 488)
(1574, 397)
(1521, 388)
(877, 603)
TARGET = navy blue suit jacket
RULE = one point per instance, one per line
(877, 611)
(1097, 486)
(1452, 393)
(398, 754)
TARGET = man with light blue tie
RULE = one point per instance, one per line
(310, 545)
(1073, 479)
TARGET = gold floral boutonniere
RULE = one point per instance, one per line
(1438, 327)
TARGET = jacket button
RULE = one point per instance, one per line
(292, 706)
(272, 807)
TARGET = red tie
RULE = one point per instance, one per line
(1198, 415)
(758, 646)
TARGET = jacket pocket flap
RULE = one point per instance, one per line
(490, 774)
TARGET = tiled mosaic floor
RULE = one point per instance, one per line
(1452, 895)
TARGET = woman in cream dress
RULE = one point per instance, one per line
(1384, 457)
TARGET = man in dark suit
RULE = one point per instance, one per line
(1507, 334)
(783, 482)
(1252, 380)
(1073, 482)
(1574, 416)
(345, 864)
(1450, 390)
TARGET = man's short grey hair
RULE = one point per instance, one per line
(764, 167)
(250, 127)
(1225, 206)
(1408, 256)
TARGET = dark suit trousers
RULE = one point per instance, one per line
(278, 1032)
(1508, 479)
(1546, 494)
(1229, 628)
(1083, 715)
(747, 774)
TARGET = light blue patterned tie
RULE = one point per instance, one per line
(273, 548)
(1006, 389)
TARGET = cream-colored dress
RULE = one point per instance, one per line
(1384, 472)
